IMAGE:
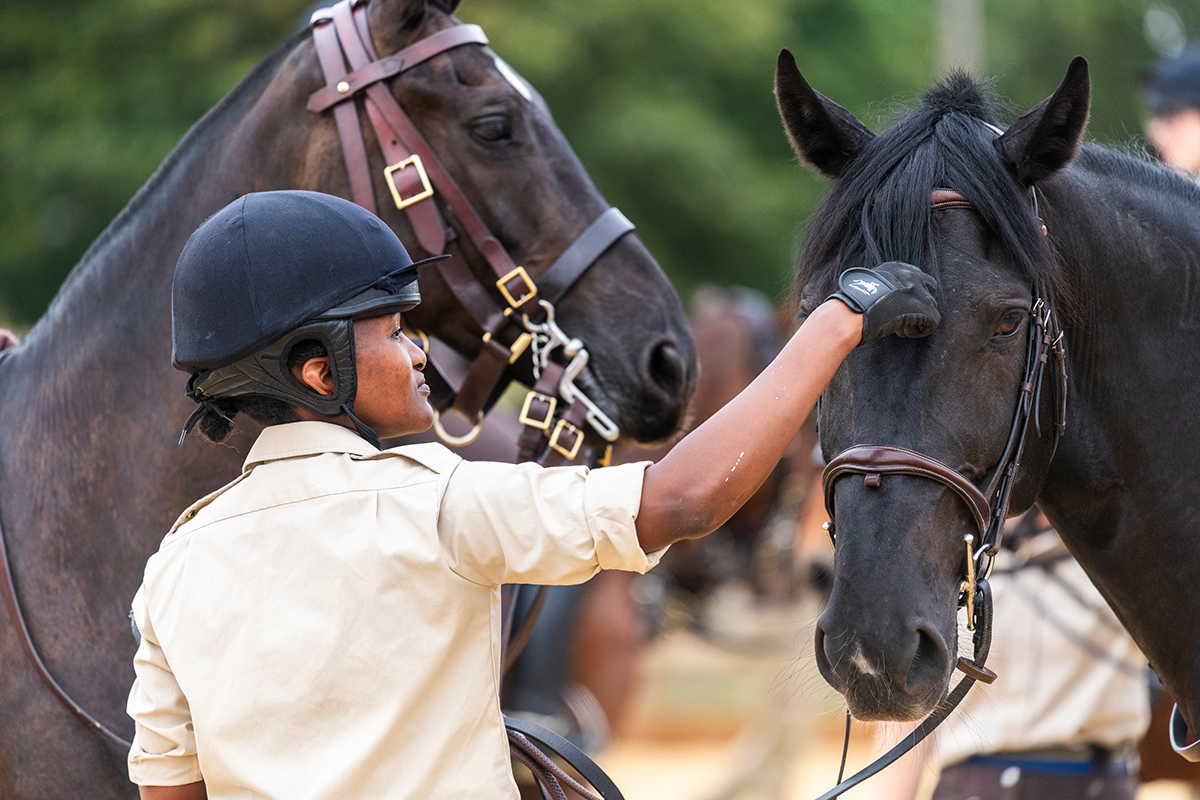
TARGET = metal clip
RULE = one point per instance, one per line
(572, 393)
(426, 187)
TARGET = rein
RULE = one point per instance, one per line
(8, 587)
(989, 506)
(556, 411)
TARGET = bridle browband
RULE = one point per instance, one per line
(556, 411)
(988, 507)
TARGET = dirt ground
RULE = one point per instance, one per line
(710, 723)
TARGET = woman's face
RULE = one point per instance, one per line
(392, 397)
(1177, 138)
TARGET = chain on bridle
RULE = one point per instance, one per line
(989, 506)
(519, 314)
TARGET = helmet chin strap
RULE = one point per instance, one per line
(365, 432)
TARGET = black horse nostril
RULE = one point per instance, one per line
(667, 369)
(929, 662)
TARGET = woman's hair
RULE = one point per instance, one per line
(216, 425)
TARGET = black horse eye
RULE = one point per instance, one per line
(492, 129)
(1009, 324)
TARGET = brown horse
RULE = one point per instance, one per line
(90, 409)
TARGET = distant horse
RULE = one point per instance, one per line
(1110, 284)
(90, 409)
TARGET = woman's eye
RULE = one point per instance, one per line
(492, 129)
(1009, 324)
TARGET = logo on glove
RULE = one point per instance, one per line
(866, 287)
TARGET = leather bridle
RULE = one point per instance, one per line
(514, 313)
(988, 506)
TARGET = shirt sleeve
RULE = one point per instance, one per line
(522, 523)
(164, 742)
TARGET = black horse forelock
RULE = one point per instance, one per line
(879, 209)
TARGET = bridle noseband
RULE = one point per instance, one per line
(514, 313)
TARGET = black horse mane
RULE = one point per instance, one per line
(879, 209)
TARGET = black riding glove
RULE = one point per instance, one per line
(893, 298)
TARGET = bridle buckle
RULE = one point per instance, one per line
(426, 187)
(565, 427)
(527, 293)
(533, 422)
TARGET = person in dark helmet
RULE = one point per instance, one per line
(327, 625)
(1172, 96)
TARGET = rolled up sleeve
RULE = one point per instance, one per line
(164, 743)
(505, 523)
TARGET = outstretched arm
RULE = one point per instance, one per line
(713, 470)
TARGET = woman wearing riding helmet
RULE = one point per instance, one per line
(327, 625)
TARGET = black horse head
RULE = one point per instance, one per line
(888, 639)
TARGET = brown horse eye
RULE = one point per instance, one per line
(491, 129)
(1008, 326)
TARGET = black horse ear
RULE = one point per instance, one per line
(824, 135)
(446, 5)
(1046, 139)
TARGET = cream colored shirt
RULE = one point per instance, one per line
(328, 624)
(1069, 674)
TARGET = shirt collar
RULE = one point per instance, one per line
(299, 439)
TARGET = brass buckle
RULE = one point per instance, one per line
(426, 187)
(517, 302)
(540, 424)
(558, 448)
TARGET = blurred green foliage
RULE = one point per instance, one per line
(667, 102)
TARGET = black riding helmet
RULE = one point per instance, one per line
(1174, 85)
(271, 270)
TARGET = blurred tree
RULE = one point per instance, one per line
(96, 94)
(667, 102)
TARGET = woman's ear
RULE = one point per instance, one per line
(315, 373)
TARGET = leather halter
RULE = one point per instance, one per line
(556, 410)
(989, 506)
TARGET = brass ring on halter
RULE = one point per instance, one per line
(457, 441)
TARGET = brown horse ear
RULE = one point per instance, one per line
(395, 23)
(824, 135)
(1046, 139)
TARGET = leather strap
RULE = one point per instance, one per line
(560, 746)
(18, 619)
(354, 151)
(393, 65)
(882, 460)
(574, 261)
